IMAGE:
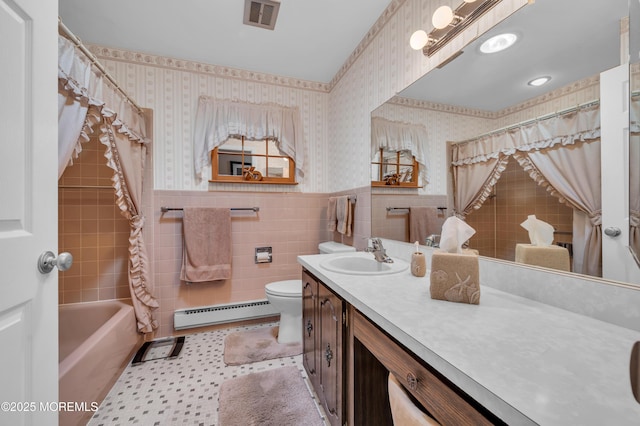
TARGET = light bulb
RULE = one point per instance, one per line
(418, 39)
(469, 1)
(442, 17)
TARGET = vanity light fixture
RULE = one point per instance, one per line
(539, 81)
(498, 43)
(449, 23)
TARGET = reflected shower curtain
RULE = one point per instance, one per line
(572, 174)
(561, 152)
(85, 100)
(474, 182)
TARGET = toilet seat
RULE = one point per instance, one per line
(288, 288)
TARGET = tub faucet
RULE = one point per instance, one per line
(378, 251)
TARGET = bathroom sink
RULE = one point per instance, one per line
(362, 264)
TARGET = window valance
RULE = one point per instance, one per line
(217, 120)
(399, 136)
(577, 126)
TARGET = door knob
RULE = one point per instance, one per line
(612, 231)
(47, 261)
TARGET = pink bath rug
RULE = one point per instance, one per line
(245, 347)
(273, 397)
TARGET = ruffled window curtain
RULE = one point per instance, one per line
(218, 120)
(86, 102)
(400, 136)
(561, 153)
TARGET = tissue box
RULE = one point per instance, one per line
(455, 277)
(554, 257)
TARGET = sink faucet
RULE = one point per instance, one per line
(378, 251)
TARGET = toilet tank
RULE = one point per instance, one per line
(333, 247)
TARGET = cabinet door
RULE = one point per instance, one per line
(309, 324)
(330, 354)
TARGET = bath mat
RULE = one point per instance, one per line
(245, 347)
(273, 397)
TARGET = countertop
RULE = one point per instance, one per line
(525, 361)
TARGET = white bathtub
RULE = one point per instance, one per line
(96, 342)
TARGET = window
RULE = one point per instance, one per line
(245, 161)
(394, 168)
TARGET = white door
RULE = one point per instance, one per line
(617, 261)
(28, 211)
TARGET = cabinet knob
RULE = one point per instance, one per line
(328, 355)
(309, 327)
(412, 381)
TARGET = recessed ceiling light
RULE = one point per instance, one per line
(539, 81)
(498, 43)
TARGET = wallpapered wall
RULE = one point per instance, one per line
(336, 115)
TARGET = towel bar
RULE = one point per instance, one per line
(167, 209)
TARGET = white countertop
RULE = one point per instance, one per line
(526, 362)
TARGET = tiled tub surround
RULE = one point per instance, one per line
(526, 361)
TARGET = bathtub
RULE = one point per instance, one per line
(96, 342)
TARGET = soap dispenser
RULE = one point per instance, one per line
(418, 263)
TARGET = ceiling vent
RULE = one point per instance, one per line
(261, 13)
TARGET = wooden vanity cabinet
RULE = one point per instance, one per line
(348, 359)
(309, 327)
(323, 317)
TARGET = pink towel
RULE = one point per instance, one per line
(207, 244)
(343, 215)
(424, 221)
(331, 213)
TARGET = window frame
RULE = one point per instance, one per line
(415, 171)
(217, 177)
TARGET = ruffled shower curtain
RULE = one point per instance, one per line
(86, 101)
(561, 153)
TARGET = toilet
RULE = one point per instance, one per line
(286, 297)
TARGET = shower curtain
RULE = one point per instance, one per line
(561, 153)
(88, 103)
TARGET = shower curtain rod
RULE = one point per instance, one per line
(67, 33)
(533, 120)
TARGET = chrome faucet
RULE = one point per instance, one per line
(432, 240)
(378, 251)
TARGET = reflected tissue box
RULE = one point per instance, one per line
(455, 277)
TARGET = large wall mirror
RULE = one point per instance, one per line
(478, 94)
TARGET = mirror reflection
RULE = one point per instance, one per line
(485, 102)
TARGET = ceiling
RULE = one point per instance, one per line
(312, 39)
(564, 39)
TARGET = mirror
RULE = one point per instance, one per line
(476, 93)
(634, 131)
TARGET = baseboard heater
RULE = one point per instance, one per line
(223, 313)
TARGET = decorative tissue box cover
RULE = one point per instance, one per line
(554, 257)
(455, 277)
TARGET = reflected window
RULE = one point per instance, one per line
(247, 161)
(394, 168)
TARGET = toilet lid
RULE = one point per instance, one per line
(289, 288)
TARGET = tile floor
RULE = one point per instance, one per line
(184, 390)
